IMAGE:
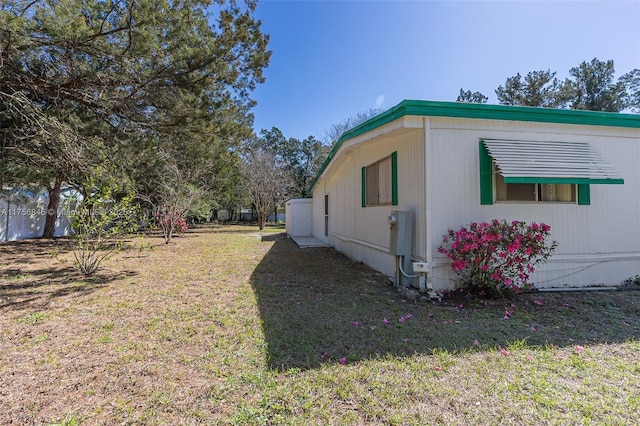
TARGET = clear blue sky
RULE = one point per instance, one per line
(333, 59)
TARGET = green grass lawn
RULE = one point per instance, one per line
(229, 325)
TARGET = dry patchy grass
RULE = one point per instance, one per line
(232, 326)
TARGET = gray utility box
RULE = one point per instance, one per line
(401, 233)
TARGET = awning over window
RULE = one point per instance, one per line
(550, 162)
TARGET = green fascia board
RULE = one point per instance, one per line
(482, 112)
(579, 181)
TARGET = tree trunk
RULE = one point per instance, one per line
(52, 209)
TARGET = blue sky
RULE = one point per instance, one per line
(333, 59)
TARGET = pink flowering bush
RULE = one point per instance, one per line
(497, 258)
(171, 223)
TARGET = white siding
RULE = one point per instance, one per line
(587, 235)
(363, 233)
(598, 243)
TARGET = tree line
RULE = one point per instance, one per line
(145, 100)
(592, 86)
(150, 98)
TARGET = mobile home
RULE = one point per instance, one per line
(440, 165)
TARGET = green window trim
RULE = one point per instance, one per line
(394, 178)
(584, 194)
(486, 176)
(394, 182)
(486, 181)
(364, 186)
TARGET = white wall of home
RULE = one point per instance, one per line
(26, 220)
(363, 233)
(598, 243)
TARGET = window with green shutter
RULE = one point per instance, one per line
(541, 171)
(380, 182)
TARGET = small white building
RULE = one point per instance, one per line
(298, 217)
(24, 216)
(448, 164)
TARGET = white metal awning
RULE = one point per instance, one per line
(550, 162)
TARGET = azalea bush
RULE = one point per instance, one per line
(171, 223)
(497, 258)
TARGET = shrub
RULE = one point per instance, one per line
(170, 223)
(496, 259)
(100, 227)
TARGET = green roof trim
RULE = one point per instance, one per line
(481, 112)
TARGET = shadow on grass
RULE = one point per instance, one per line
(36, 289)
(13, 252)
(25, 284)
(317, 306)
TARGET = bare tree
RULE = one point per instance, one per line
(336, 130)
(173, 195)
(266, 180)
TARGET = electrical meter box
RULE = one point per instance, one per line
(401, 233)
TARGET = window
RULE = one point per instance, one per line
(538, 192)
(380, 182)
(541, 171)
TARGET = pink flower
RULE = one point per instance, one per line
(458, 265)
(343, 360)
(438, 368)
(579, 348)
(385, 320)
(356, 323)
(476, 343)
(537, 302)
(504, 352)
